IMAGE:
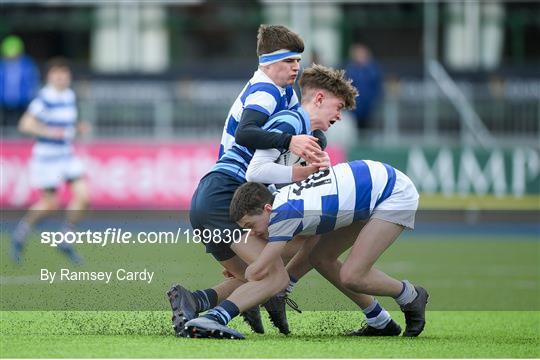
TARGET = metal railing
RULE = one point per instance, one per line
(510, 111)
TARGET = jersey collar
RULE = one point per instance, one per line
(266, 78)
(305, 118)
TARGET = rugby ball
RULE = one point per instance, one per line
(289, 159)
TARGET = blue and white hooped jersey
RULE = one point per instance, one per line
(236, 160)
(330, 199)
(260, 94)
(56, 109)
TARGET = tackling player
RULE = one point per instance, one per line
(52, 119)
(266, 93)
(364, 203)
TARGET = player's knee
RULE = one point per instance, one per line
(258, 276)
(82, 199)
(81, 196)
(352, 280)
(50, 203)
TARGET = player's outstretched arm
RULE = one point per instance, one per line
(264, 169)
(30, 125)
(260, 268)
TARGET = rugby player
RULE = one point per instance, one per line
(363, 203)
(52, 119)
(266, 93)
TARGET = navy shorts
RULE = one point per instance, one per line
(210, 210)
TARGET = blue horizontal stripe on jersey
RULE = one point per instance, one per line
(389, 184)
(292, 118)
(265, 87)
(363, 186)
(279, 238)
(56, 105)
(330, 207)
(258, 108)
(240, 153)
(232, 125)
(231, 170)
(292, 209)
(234, 162)
(58, 123)
(298, 114)
(52, 141)
(52, 158)
(284, 128)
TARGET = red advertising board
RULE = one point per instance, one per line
(121, 175)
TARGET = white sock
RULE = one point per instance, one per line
(376, 315)
(290, 287)
(407, 295)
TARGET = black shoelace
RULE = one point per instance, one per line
(293, 305)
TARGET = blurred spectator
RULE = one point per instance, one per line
(19, 79)
(367, 77)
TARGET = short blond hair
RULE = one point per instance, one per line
(334, 81)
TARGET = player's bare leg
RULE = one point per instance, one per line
(359, 275)
(47, 203)
(79, 201)
(296, 256)
(245, 297)
(297, 266)
(325, 258)
(75, 209)
(275, 305)
(253, 293)
(187, 305)
(249, 295)
(251, 316)
(300, 264)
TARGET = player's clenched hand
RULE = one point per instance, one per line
(84, 128)
(227, 274)
(322, 160)
(304, 146)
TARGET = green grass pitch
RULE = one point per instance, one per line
(317, 334)
(485, 302)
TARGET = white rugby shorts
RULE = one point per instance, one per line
(400, 207)
(52, 172)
